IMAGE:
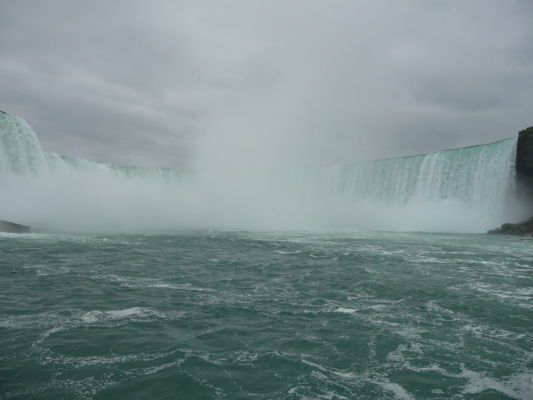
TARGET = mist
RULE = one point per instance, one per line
(255, 186)
(251, 96)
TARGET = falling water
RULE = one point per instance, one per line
(21, 153)
(480, 176)
(469, 189)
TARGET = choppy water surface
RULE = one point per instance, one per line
(266, 316)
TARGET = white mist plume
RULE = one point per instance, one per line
(255, 180)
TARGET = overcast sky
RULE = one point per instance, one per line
(150, 83)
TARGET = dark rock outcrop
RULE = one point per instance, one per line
(11, 227)
(523, 228)
(524, 163)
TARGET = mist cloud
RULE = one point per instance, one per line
(189, 83)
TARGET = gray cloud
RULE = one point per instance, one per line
(134, 82)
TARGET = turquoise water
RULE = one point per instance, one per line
(239, 315)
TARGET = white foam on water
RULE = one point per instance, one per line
(518, 386)
(283, 252)
(517, 296)
(99, 316)
(145, 282)
(84, 389)
(397, 390)
(345, 310)
(433, 307)
(81, 362)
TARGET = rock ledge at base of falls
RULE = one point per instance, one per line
(522, 229)
(11, 227)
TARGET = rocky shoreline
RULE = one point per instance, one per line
(521, 229)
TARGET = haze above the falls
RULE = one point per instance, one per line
(205, 83)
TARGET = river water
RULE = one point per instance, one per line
(251, 315)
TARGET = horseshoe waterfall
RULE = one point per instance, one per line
(467, 189)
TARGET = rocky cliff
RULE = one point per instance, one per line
(11, 227)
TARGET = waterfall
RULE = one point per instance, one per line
(21, 153)
(470, 189)
(481, 176)
(465, 189)
(20, 150)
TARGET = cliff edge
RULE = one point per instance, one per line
(524, 162)
(11, 227)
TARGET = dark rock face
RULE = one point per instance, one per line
(524, 163)
(523, 228)
(11, 227)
